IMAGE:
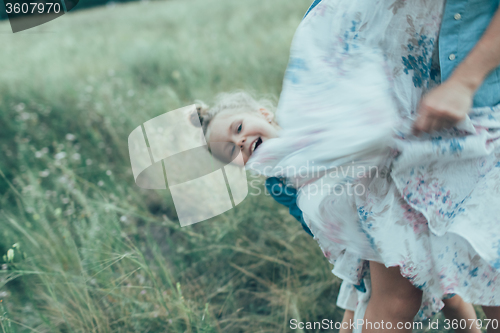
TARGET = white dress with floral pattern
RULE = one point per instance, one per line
(433, 205)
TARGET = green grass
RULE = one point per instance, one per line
(98, 254)
(94, 253)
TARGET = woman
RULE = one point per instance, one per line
(442, 185)
(428, 222)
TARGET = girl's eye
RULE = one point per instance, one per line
(239, 128)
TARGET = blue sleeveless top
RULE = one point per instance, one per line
(286, 195)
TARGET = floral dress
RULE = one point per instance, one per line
(370, 190)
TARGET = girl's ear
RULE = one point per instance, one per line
(267, 114)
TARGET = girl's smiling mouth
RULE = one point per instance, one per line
(255, 144)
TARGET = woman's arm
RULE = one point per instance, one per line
(451, 101)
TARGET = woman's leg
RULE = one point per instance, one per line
(456, 309)
(493, 313)
(346, 322)
(394, 300)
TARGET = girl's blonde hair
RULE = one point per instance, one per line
(238, 101)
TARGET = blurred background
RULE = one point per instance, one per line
(82, 248)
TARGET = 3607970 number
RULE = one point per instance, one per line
(470, 323)
(33, 7)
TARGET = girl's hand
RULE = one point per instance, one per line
(443, 106)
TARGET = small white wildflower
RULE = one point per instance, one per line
(38, 154)
(88, 161)
(27, 188)
(25, 115)
(3, 294)
(4, 267)
(10, 255)
(176, 75)
(70, 137)
(45, 150)
(76, 156)
(20, 107)
(123, 218)
(100, 183)
(44, 173)
(108, 172)
(60, 155)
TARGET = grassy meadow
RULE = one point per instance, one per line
(82, 248)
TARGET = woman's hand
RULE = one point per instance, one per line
(450, 102)
(443, 106)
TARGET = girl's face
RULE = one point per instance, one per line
(231, 133)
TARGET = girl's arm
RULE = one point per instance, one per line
(451, 101)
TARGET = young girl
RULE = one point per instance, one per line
(426, 218)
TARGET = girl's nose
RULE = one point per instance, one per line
(241, 142)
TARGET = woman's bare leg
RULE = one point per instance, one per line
(394, 301)
(346, 322)
(456, 309)
(493, 313)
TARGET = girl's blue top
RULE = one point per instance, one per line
(286, 195)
